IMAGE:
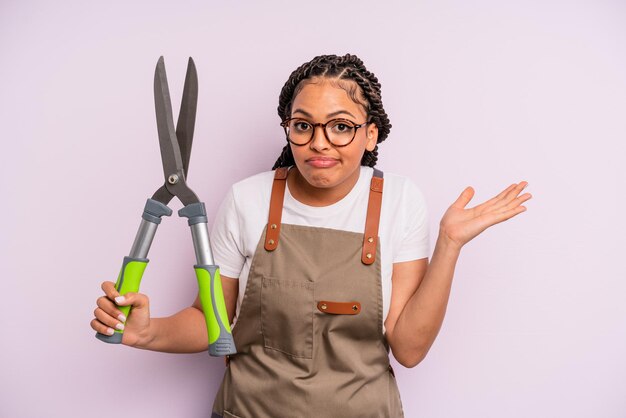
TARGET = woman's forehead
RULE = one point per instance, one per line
(323, 96)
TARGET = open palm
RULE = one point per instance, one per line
(461, 225)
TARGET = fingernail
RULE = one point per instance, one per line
(110, 331)
(121, 317)
(120, 326)
(119, 299)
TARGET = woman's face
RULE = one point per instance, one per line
(319, 162)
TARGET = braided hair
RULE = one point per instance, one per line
(333, 67)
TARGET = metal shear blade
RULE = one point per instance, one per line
(176, 143)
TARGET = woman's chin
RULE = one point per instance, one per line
(320, 179)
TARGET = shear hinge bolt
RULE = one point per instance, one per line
(173, 179)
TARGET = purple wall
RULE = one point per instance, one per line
(482, 94)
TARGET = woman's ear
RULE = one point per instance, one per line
(372, 136)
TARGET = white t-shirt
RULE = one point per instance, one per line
(242, 216)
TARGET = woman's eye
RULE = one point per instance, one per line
(301, 126)
(342, 127)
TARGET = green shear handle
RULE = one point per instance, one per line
(135, 264)
(221, 341)
(218, 327)
(127, 281)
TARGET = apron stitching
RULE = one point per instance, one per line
(264, 332)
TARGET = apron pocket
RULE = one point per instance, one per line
(287, 316)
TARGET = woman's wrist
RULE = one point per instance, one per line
(446, 244)
(146, 339)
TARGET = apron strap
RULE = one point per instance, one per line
(370, 237)
(276, 208)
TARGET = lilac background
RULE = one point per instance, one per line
(481, 93)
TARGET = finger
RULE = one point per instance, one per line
(517, 201)
(107, 319)
(501, 216)
(509, 197)
(494, 200)
(515, 190)
(101, 328)
(505, 191)
(109, 307)
(110, 290)
(136, 300)
(464, 198)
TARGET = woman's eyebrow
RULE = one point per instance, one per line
(330, 115)
(307, 114)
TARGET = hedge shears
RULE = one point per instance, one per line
(175, 146)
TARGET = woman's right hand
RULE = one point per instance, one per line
(108, 317)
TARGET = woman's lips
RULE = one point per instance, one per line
(322, 162)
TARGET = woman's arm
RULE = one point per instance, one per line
(185, 331)
(418, 303)
(420, 291)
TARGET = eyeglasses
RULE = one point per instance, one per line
(339, 132)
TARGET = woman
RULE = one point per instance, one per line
(324, 263)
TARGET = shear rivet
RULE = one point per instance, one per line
(273, 226)
(173, 179)
(323, 306)
(370, 239)
(355, 308)
(368, 255)
(270, 242)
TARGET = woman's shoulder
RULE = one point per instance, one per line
(253, 190)
(401, 185)
(255, 180)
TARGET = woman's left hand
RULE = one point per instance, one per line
(460, 225)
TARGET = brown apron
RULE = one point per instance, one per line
(309, 332)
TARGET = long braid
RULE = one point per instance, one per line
(285, 159)
(347, 67)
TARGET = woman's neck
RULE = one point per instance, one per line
(309, 195)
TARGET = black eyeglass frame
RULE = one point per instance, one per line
(285, 125)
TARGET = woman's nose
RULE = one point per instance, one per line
(319, 141)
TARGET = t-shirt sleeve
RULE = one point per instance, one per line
(415, 241)
(226, 239)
